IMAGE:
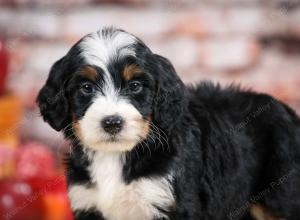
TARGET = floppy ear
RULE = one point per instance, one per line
(52, 101)
(169, 100)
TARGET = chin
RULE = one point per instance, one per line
(112, 145)
(145, 146)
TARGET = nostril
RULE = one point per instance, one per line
(119, 121)
(112, 124)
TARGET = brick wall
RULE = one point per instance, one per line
(252, 42)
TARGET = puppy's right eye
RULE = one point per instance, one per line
(87, 88)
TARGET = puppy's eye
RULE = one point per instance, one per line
(87, 88)
(135, 87)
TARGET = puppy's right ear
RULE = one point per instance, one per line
(52, 101)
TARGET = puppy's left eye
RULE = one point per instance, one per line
(87, 88)
(135, 87)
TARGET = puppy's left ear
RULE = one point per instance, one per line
(169, 100)
(52, 100)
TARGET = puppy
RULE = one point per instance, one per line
(147, 147)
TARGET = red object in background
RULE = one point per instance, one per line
(55, 201)
(52, 196)
(35, 199)
(34, 160)
(18, 201)
(39, 191)
(4, 59)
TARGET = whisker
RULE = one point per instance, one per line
(147, 146)
(164, 137)
(157, 134)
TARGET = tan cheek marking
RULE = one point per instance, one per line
(76, 128)
(261, 213)
(146, 128)
(145, 125)
(89, 72)
(131, 71)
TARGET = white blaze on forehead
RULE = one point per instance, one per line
(100, 48)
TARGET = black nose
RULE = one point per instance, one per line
(112, 124)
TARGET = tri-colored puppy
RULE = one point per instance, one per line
(147, 147)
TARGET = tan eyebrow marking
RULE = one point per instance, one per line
(89, 72)
(131, 71)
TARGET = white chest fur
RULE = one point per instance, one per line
(117, 200)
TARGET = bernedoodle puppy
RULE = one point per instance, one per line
(147, 147)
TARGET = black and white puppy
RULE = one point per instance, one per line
(147, 147)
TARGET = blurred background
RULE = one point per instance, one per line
(255, 43)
